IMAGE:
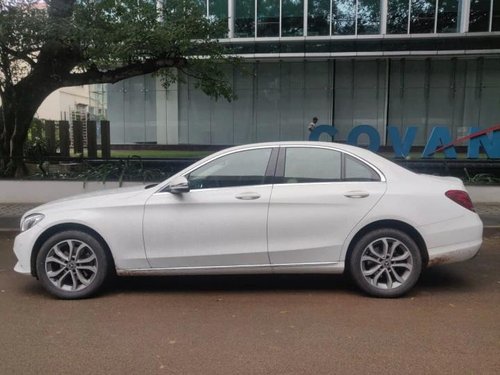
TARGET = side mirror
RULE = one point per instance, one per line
(178, 185)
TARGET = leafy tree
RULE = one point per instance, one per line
(48, 45)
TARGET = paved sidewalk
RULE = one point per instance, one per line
(10, 214)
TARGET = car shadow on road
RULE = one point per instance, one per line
(232, 283)
(446, 278)
(440, 278)
(437, 279)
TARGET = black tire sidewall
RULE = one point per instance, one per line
(354, 263)
(102, 264)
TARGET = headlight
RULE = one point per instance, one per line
(30, 221)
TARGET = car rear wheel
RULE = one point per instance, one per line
(72, 265)
(385, 263)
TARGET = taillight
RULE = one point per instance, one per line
(461, 197)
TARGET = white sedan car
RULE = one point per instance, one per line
(287, 207)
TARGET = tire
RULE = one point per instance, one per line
(72, 265)
(385, 263)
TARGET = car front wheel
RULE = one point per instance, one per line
(72, 265)
(385, 263)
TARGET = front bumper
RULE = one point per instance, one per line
(23, 247)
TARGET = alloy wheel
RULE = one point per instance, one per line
(386, 263)
(71, 265)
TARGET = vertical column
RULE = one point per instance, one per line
(64, 141)
(167, 114)
(36, 131)
(409, 16)
(383, 16)
(306, 6)
(436, 13)
(355, 18)
(105, 140)
(161, 113)
(50, 134)
(91, 140)
(387, 97)
(280, 19)
(464, 16)
(491, 16)
(230, 18)
(331, 18)
(78, 137)
(255, 19)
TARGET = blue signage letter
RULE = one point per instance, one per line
(320, 129)
(490, 143)
(370, 131)
(402, 147)
(440, 136)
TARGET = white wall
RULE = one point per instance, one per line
(60, 104)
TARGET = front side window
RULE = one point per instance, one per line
(237, 169)
(304, 165)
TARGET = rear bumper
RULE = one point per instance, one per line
(454, 240)
(454, 253)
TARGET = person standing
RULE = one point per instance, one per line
(312, 124)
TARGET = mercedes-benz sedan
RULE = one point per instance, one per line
(289, 207)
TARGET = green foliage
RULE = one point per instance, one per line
(36, 149)
(480, 178)
(89, 36)
(131, 169)
(46, 46)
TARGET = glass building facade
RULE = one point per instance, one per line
(402, 63)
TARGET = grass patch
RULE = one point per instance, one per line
(166, 154)
(154, 154)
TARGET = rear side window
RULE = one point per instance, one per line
(356, 170)
(304, 165)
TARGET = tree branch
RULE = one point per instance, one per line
(94, 75)
(19, 55)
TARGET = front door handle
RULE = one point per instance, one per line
(248, 196)
(357, 194)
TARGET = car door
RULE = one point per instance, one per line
(319, 196)
(220, 222)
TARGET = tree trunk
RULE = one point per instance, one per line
(17, 117)
(2, 147)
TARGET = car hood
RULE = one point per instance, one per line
(88, 200)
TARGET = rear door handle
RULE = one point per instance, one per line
(357, 194)
(248, 196)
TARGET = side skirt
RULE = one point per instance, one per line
(333, 268)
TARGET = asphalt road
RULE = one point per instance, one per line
(450, 324)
